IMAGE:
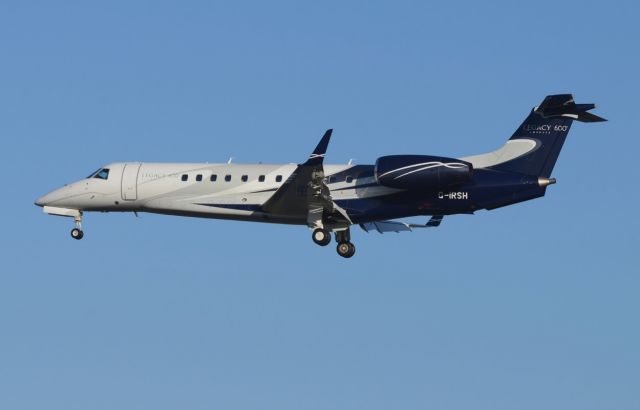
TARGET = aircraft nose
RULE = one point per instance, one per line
(42, 201)
(61, 197)
(50, 197)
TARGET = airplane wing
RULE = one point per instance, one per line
(397, 226)
(306, 194)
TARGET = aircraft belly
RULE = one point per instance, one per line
(217, 208)
(247, 217)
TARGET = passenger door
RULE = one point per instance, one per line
(130, 182)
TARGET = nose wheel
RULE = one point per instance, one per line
(77, 233)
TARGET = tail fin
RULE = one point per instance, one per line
(547, 126)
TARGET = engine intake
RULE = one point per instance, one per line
(421, 171)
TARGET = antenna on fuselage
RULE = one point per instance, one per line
(230, 159)
(350, 161)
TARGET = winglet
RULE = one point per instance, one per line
(317, 156)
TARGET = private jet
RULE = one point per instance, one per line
(329, 199)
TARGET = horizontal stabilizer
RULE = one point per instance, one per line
(397, 226)
(563, 105)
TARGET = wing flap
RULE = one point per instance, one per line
(398, 226)
(385, 226)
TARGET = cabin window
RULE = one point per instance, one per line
(278, 178)
(213, 177)
(185, 177)
(245, 178)
(349, 179)
(102, 174)
(261, 178)
(332, 179)
(199, 177)
(227, 178)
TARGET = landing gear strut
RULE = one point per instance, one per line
(345, 248)
(77, 233)
(321, 236)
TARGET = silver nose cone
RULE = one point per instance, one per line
(42, 201)
(52, 197)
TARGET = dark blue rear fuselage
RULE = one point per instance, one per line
(489, 189)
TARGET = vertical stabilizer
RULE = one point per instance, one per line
(547, 127)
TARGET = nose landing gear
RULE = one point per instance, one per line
(77, 233)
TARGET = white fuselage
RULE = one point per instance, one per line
(200, 190)
(236, 191)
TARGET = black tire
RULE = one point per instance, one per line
(77, 234)
(346, 249)
(352, 249)
(321, 236)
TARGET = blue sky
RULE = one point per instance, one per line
(528, 307)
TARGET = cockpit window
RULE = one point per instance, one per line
(102, 173)
(91, 175)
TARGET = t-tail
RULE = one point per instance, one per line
(547, 127)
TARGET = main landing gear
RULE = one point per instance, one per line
(321, 236)
(345, 248)
(77, 233)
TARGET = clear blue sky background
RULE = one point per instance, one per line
(532, 306)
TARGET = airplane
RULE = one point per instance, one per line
(332, 198)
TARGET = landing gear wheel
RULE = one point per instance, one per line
(77, 233)
(321, 236)
(346, 249)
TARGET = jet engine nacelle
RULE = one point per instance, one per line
(421, 171)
